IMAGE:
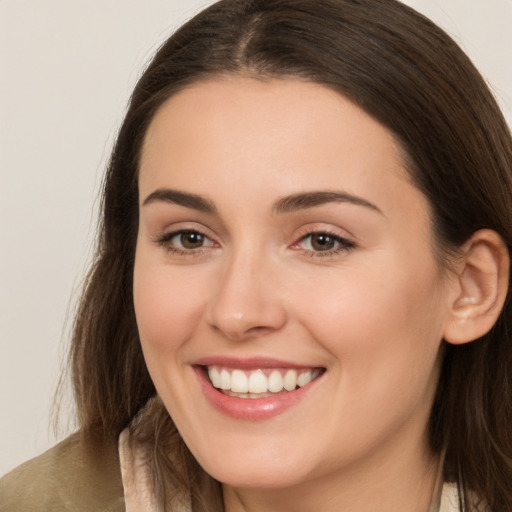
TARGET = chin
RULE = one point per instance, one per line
(258, 469)
(263, 477)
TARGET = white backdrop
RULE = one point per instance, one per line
(67, 68)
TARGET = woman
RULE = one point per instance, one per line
(299, 300)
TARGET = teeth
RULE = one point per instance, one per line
(214, 375)
(225, 380)
(275, 382)
(239, 382)
(290, 380)
(258, 383)
(304, 378)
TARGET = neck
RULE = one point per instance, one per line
(404, 483)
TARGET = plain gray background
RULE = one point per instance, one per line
(67, 68)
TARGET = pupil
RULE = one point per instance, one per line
(191, 240)
(322, 242)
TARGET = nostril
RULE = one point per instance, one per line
(240, 334)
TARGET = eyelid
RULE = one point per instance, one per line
(164, 231)
(327, 228)
(345, 243)
(164, 237)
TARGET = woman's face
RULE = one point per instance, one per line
(282, 244)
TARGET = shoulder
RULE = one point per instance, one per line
(76, 474)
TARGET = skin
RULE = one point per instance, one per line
(372, 314)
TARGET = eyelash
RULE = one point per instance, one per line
(165, 239)
(344, 245)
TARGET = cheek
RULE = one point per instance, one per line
(374, 302)
(168, 307)
(383, 329)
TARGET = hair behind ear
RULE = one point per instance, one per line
(472, 410)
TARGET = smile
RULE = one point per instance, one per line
(260, 383)
(258, 388)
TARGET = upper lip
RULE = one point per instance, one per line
(251, 363)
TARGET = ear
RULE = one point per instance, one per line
(482, 276)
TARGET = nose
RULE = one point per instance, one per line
(247, 300)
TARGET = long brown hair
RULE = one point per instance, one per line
(409, 75)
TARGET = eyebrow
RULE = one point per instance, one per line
(287, 204)
(311, 199)
(193, 201)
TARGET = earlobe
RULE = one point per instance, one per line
(482, 278)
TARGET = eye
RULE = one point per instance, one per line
(184, 242)
(189, 239)
(321, 243)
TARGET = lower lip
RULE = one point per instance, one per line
(251, 409)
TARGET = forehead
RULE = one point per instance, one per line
(267, 136)
(264, 107)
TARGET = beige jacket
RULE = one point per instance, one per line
(71, 477)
